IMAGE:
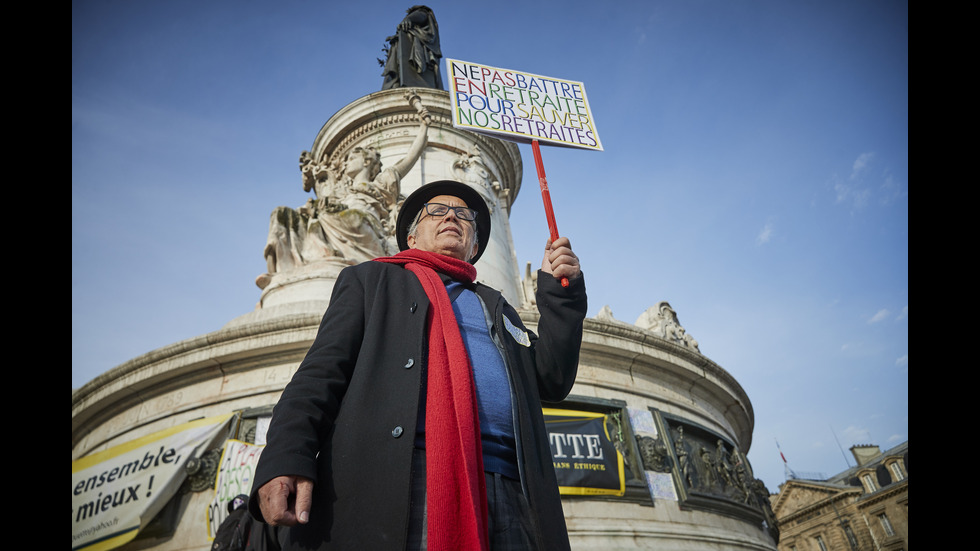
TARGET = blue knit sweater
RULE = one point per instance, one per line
(492, 387)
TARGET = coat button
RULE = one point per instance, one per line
(397, 431)
(414, 307)
(409, 363)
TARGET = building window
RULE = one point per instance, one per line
(869, 482)
(897, 473)
(886, 524)
(851, 538)
(820, 543)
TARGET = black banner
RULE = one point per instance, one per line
(586, 461)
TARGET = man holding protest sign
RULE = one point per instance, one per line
(415, 419)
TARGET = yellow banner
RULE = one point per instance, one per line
(118, 491)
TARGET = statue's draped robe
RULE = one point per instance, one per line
(350, 225)
(414, 54)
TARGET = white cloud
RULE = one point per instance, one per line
(841, 188)
(854, 190)
(765, 235)
(903, 361)
(860, 164)
(851, 193)
(897, 438)
(879, 316)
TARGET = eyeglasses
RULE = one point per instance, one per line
(438, 209)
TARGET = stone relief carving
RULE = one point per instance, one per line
(683, 459)
(709, 467)
(351, 219)
(662, 321)
(760, 496)
(707, 481)
(614, 428)
(654, 454)
(469, 168)
(201, 471)
(606, 314)
(413, 52)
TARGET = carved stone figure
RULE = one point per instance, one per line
(469, 168)
(662, 321)
(413, 52)
(687, 339)
(742, 478)
(352, 217)
(683, 459)
(761, 494)
(707, 479)
(606, 314)
(723, 467)
(529, 284)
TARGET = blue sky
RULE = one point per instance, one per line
(755, 175)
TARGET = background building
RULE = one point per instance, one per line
(864, 507)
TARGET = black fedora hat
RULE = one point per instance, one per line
(418, 198)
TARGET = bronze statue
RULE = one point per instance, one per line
(413, 52)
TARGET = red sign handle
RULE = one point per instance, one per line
(549, 212)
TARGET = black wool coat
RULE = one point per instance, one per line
(347, 419)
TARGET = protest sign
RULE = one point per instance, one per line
(520, 107)
(238, 461)
(586, 461)
(116, 492)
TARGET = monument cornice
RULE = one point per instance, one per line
(178, 365)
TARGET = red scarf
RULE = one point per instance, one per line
(455, 487)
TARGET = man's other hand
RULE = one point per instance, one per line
(286, 500)
(559, 260)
